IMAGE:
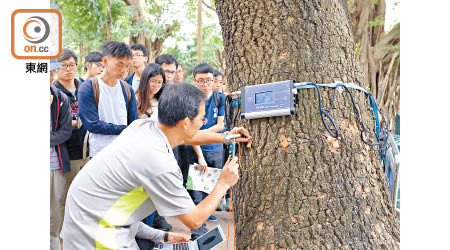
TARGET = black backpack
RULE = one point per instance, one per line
(226, 119)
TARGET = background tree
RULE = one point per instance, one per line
(199, 31)
(379, 53)
(185, 46)
(88, 23)
(151, 24)
(318, 192)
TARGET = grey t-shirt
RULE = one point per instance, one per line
(124, 183)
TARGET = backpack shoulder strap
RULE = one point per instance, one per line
(216, 99)
(126, 86)
(96, 90)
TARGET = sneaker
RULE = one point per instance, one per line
(227, 206)
(160, 223)
(212, 218)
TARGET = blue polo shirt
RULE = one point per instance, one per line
(212, 113)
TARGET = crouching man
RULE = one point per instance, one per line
(137, 174)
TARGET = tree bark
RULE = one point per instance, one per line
(325, 194)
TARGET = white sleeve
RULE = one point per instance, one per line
(148, 233)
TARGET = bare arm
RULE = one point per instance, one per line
(201, 159)
(200, 213)
(219, 125)
(204, 137)
(156, 235)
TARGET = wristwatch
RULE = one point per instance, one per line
(166, 236)
(225, 138)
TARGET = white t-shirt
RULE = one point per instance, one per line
(112, 109)
(135, 83)
(127, 181)
(153, 111)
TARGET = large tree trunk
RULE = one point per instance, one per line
(327, 194)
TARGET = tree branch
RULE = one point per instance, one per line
(209, 7)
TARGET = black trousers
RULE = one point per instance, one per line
(180, 155)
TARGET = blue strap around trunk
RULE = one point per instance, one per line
(308, 85)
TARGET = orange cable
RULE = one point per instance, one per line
(234, 222)
(228, 233)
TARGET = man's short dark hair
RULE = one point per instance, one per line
(179, 100)
(166, 59)
(140, 47)
(66, 54)
(116, 49)
(93, 57)
(217, 73)
(203, 68)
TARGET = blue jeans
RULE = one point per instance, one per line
(149, 219)
(214, 160)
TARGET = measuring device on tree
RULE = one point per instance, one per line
(267, 100)
(280, 99)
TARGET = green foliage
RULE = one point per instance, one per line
(378, 21)
(192, 10)
(358, 48)
(396, 26)
(187, 58)
(84, 27)
(211, 39)
(158, 14)
(393, 48)
(84, 23)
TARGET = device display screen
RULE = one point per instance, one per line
(264, 97)
(209, 240)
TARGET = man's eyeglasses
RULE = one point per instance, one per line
(204, 82)
(204, 120)
(68, 66)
